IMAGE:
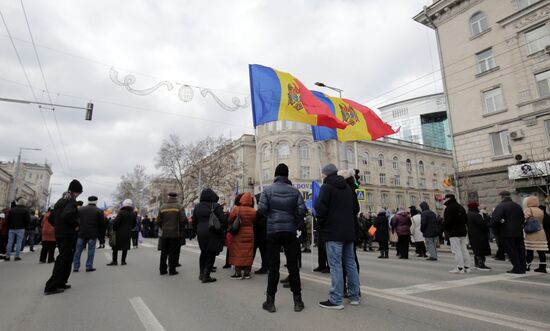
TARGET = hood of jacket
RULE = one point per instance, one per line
(450, 201)
(424, 206)
(246, 200)
(337, 181)
(282, 179)
(207, 195)
(531, 202)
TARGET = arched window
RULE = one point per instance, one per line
(478, 23)
(366, 158)
(303, 150)
(349, 156)
(266, 153)
(409, 165)
(283, 151)
(381, 160)
(395, 162)
(421, 167)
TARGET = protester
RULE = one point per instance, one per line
(382, 234)
(284, 208)
(91, 219)
(65, 220)
(546, 224)
(416, 232)
(30, 231)
(322, 263)
(241, 252)
(455, 225)
(171, 220)
(430, 230)
(18, 219)
(102, 231)
(3, 235)
(260, 239)
(122, 226)
(48, 239)
(478, 235)
(508, 218)
(401, 225)
(535, 241)
(210, 239)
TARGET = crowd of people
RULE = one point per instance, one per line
(276, 221)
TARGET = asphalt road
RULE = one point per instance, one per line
(397, 294)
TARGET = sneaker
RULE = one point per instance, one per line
(235, 276)
(456, 271)
(467, 270)
(247, 276)
(483, 268)
(354, 302)
(17, 258)
(329, 305)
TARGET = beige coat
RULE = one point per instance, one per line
(534, 241)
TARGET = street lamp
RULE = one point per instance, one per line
(89, 107)
(330, 87)
(11, 196)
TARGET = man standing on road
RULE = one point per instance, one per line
(285, 209)
(171, 220)
(455, 219)
(508, 219)
(65, 219)
(336, 209)
(429, 228)
(30, 231)
(91, 222)
(18, 219)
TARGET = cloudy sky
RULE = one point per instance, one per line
(365, 47)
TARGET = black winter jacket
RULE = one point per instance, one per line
(172, 219)
(478, 233)
(283, 206)
(382, 228)
(18, 218)
(91, 222)
(428, 221)
(508, 219)
(125, 220)
(209, 240)
(455, 219)
(336, 208)
(65, 217)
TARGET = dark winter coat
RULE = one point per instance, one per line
(546, 226)
(336, 206)
(33, 224)
(91, 222)
(18, 218)
(428, 221)
(508, 219)
(209, 240)
(283, 205)
(478, 233)
(65, 217)
(455, 219)
(260, 229)
(382, 228)
(124, 222)
(172, 219)
(241, 250)
(401, 224)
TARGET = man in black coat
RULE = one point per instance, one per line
(546, 223)
(260, 239)
(18, 219)
(65, 219)
(455, 219)
(429, 229)
(508, 219)
(172, 221)
(478, 234)
(91, 222)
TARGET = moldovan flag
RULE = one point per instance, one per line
(363, 123)
(278, 96)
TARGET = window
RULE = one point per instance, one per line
(444, 168)
(381, 160)
(266, 174)
(384, 197)
(397, 180)
(435, 185)
(410, 181)
(395, 163)
(422, 182)
(493, 101)
(349, 156)
(537, 39)
(542, 83)
(399, 200)
(304, 151)
(368, 178)
(279, 125)
(525, 3)
(413, 199)
(501, 143)
(485, 60)
(370, 198)
(409, 165)
(547, 126)
(266, 153)
(283, 150)
(382, 179)
(304, 172)
(478, 23)
(366, 158)
(421, 167)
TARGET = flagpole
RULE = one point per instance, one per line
(259, 171)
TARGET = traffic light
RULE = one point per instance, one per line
(89, 111)
(357, 178)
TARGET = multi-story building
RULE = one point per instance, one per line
(158, 190)
(33, 182)
(496, 68)
(5, 183)
(422, 120)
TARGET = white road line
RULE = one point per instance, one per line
(145, 315)
(527, 282)
(148, 245)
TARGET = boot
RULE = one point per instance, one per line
(541, 268)
(206, 277)
(386, 254)
(382, 255)
(298, 303)
(269, 304)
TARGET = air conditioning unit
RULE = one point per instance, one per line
(547, 49)
(517, 135)
(521, 158)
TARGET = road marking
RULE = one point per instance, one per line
(107, 256)
(527, 282)
(148, 245)
(145, 315)
(449, 284)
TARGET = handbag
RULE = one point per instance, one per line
(236, 225)
(213, 221)
(112, 239)
(372, 231)
(532, 225)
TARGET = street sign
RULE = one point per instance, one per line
(361, 195)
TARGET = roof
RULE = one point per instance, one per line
(412, 99)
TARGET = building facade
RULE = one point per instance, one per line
(32, 183)
(496, 68)
(422, 120)
(5, 183)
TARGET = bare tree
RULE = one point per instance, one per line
(134, 185)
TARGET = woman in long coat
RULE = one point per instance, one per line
(478, 235)
(210, 241)
(124, 222)
(535, 241)
(241, 251)
(382, 235)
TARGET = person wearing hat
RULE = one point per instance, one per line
(65, 219)
(91, 222)
(172, 221)
(48, 239)
(508, 219)
(284, 207)
(430, 229)
(478, 235)
(416, 233)
(455, 224)
(122, 226)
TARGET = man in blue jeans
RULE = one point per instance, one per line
(18, 219)
(335, 208)
(91, 221)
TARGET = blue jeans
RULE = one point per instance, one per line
(16, 235)
(80, 244)
(341, 253)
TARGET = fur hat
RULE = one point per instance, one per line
(75, 186)
(346, 173)
(329, 169)
(127, 203)
(281, 170)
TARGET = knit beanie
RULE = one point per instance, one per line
(329, 169)
(127, 203)
(281, 170)
(75, 186)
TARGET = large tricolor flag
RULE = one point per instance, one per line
(278, 96)
(363, 123)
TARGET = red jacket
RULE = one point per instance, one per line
(241, 249)
(48, 230)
